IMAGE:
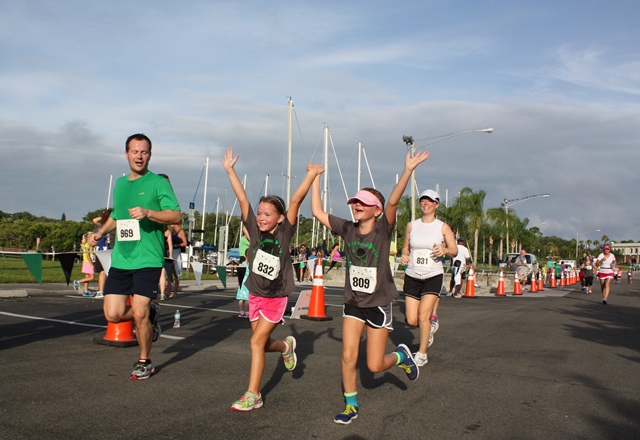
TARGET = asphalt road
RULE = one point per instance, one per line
(553, 365)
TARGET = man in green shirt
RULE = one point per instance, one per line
(144, 203)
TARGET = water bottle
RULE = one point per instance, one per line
(176, 319)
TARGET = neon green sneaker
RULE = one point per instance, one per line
(289, 356)
(248, 402)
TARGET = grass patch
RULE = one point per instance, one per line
(14, 270)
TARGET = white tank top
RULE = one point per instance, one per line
(422, 264)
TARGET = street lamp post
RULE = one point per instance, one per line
(410, 143)
(577, 237)
(506, 203)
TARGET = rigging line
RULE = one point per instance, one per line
(346, 194)
(304, 147)
(353, 152)
(364, 153)
(199, 180)
(316, 149)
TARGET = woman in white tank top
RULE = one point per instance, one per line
(426, 242)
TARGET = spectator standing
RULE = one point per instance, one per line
(87, 268)
(104, 244)
(522, 267)
(464, 257)
(335, 256)
(179, 241)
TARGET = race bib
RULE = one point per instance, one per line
(128, 230)
(363, 279)
(422, 258)
(266, 265)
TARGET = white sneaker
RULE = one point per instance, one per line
(430, 339)
(421, 359)
(99, 295)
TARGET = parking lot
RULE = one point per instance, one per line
(541, 366)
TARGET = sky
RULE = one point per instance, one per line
(559, 83)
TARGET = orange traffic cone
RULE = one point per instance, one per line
(552, 282)
(500, 291)
(317, 310)
(534, 285)
(540, 282)
(517, 289)
(562, 279)
(119, 334)
(470, 290)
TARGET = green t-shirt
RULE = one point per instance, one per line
(150, 192)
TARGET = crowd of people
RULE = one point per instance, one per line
(143, 233)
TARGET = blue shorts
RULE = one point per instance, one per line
(143, 282)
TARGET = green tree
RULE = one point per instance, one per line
(468, 211)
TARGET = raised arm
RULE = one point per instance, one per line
(228, 163)
(410, 164)
(298, 196)
(316, 203)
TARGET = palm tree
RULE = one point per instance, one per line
(471, 209)
(495, 218)
(605, 239)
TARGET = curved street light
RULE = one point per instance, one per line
(506, 203)
(578, 235)
(410, 143)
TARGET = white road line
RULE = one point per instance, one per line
(62, 321)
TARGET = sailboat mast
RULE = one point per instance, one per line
(109, 193)
(359, 164)
(289, 156)
(326, 177)
(204, 202)
(215, 229)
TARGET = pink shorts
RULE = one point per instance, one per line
(271, 309)
(87, 268)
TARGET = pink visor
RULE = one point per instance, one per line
(366, 198)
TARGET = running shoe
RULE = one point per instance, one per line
(163, 297)
(346, 416)
(99, 294)
(142, 370)
(76, 285)
(435, 324)
(154, 313)
(430, 339)
(289, 357)
(421, 359)
(604, 301)
(409, 365)
(88, 294)
(248, 402)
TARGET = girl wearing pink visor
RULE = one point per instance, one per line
(369, 288)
